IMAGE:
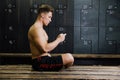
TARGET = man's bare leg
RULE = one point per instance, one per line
(68, 59)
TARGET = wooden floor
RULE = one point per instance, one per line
(24, 72)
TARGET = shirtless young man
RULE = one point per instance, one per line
(40, 48)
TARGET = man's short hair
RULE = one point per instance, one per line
(45, 8)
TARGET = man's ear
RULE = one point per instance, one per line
(42, 15)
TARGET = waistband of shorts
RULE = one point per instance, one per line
(40, 57)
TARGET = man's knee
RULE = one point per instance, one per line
(68, 58)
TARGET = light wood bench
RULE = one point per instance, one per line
(81, 55)
(24, 72)
(96, 59)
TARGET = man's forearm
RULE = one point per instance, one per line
(50, 46)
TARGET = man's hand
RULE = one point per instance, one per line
(61, 37)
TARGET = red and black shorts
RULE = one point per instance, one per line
(47, 63)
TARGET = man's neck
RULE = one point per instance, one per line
(39, 23)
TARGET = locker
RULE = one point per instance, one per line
(9, 27)
(109, 26)
(86, 19)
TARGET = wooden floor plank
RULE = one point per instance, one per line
(13, 67)
(83, 67)
(62, 73)
(66, 70)
(38, 76)
(75, 72)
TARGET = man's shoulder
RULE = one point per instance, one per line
(34, 31)
(34, 28)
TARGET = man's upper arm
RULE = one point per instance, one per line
(39, 39)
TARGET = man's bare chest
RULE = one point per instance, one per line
(45, 35)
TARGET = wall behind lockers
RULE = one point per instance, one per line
(97, 26)
(92, 26)
(16, 16)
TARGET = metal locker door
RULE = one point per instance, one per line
(9, 27)
(109, 26)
